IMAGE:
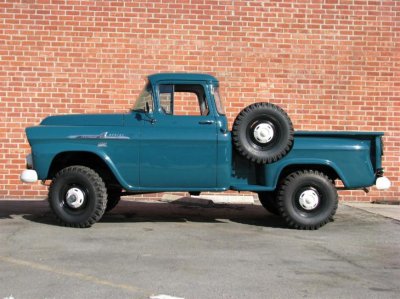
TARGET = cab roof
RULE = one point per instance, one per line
(181, 77)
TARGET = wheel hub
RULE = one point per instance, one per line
(309, 200)
(264, 133)
(75, 198)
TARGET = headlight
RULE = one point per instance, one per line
(29, 161)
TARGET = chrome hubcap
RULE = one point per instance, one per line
(75, 198)
(264, 133)
(309, 200)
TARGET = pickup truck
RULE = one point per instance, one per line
(176, 138)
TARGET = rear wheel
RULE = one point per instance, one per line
(307, 199)
(269, 202)
(77, 196)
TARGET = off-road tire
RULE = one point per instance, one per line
(292, 198)
(270, 149)
(114, 196)
(95, 196)
(269, 202)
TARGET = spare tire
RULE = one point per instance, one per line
(263, 133)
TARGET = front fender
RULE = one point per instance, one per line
(44, 155)
(116, 145)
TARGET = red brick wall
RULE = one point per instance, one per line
(333, 65)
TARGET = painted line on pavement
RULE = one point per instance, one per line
(90, 278)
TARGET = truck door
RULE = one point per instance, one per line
(178, 148)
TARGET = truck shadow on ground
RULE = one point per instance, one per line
(181, 210)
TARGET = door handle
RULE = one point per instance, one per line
(206, 122)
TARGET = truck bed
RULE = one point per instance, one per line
(354, 157)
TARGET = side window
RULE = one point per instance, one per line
(183, 99)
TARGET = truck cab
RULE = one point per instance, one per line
(184, 142)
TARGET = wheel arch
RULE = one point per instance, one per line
(83, 158)
(328, 169)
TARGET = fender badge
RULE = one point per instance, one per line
(104, 135)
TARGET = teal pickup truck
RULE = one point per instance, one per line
(176, 138)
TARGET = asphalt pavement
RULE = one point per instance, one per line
(196, 249)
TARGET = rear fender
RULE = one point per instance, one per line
(352, 178)
(326, 166)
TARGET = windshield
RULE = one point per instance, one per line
(218, 101)
(145, 99)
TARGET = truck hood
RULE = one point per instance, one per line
(84, 120)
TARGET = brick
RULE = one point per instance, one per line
(331, 64)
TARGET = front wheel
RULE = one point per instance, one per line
(307, 199)
(78, 196)
(114, 196)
